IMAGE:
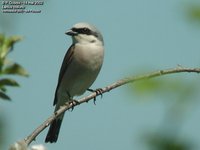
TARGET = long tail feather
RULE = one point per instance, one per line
(54, 130)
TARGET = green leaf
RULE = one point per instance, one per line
(8, 82)
(1, 39)
(3, 89)
(15, 69)
(4, 96)
(6, 44)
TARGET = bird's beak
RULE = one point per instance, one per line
(71, 33)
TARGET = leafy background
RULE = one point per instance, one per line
(8, 67)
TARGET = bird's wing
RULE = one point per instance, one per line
(66, 61)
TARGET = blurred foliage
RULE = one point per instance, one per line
(180, 89)
(2, 132)
(160, 141)
(194, 12)
(180, 93)
(7, 67)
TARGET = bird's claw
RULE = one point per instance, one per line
(73, 103)
(98, 91)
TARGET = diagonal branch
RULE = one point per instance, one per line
(119, 83)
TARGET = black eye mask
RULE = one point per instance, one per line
(85, 30)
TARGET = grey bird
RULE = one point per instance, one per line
(80, 68)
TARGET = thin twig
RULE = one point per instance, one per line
(121, 82)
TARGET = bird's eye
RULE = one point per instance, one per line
(82, 30)
(86, 30)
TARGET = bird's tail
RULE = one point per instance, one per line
(54, 130)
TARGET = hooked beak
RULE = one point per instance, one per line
(71, 33)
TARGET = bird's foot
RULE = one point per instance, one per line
(73, 103)
(98, 91)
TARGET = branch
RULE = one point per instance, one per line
(119, 83)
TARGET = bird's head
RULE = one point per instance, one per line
(85, 33)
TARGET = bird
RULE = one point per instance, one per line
(80, 68)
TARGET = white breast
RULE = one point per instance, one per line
(89, 55)
(83, 70)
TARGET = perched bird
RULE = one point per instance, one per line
(79, 69)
